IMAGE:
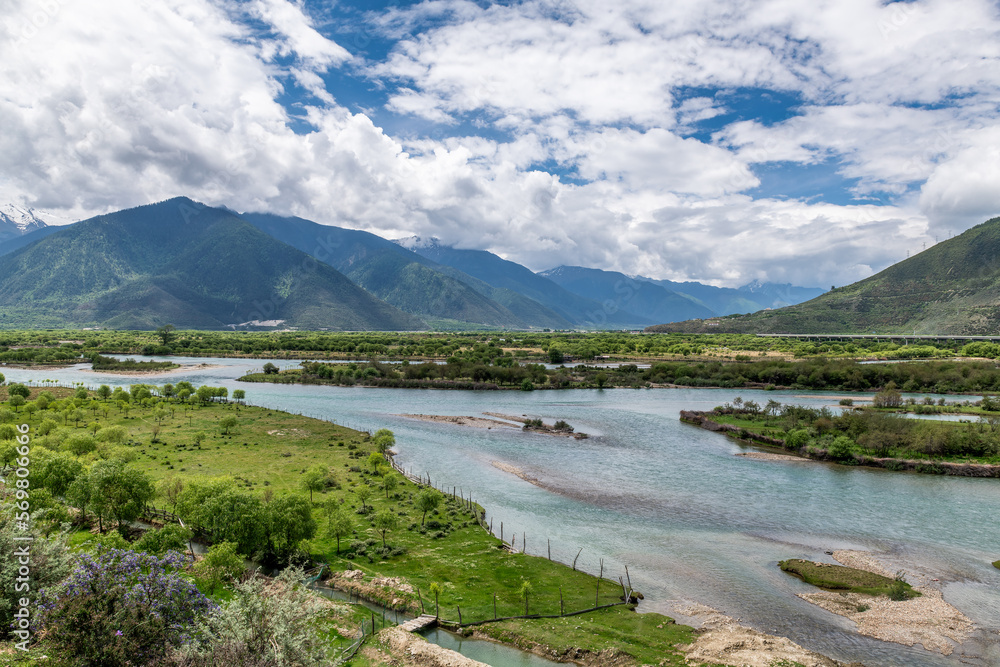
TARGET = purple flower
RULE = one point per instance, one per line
(118, 633)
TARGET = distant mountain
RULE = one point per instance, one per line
(643, 298)
(747, 299)
(17, 220)
(950, 288)
(405, 279)
(19, 226)
(503, 274)
(182, 263)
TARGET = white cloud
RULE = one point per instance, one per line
(108, 105)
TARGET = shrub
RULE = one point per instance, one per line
(841, 448)
(267, 623)
(137, 604)
(797, 439)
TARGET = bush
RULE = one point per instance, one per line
(841, 448)
(169, 538)
(797, 439)
(137, 604)
(266, 623)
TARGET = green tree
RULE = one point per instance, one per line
(601, 379)
(104, 392)
(375, 460)
(338, 523)
(16, 401)
(427, 501)
(314, 479)
(270, 369)
(172, 537)
(239, 395)
(525, 591)
(385, 521)
(290, 521)
(120, 491)
(384, 440)
(59, 471)
(222, 563)
(389, 482)
(170, 488)
(228, 423)
(363, 492)
(436, 591)
(166, 334)
(19, 390)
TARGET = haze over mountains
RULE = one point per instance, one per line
(195, 266)
(950, 288)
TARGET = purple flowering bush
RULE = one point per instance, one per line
(122, 608)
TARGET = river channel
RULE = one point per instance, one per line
(692, 521)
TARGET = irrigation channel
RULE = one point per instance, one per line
(691, 521)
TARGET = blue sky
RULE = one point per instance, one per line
(717, 140)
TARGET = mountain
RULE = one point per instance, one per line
(405, 279)
(643, 298)
(747, 299)
(17, 220)
(950, 288)
(183, 263)
(19, 226)
(506, 275)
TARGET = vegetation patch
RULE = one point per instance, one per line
(842, 578)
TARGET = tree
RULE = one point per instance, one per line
(363, 492)
(170, 488)
(526, 590)
(889, 397)
(222, 563)
(601, 379)
(375, 460)
(384, 440)
(389, 482)
(427, 501)
(199, 438)
(338, 523)
(104, 392)
(166, 334)
(385, 521)
(239, 395)
(59, 472)
(80, 493)
(172, 537)
(228, 423)
(555, 355)
(436, 590)
(16, 401)
(314, 479)
(120, 491)
(270, 369)
(290, 521)
(19, 390)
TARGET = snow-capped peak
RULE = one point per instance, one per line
(411, 242)
(24, 219)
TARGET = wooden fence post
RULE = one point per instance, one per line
(577, 556)
(459, 614)
(561, 612)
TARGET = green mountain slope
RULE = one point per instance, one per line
(403, 278)
(504, 274)
(950, 288)
(183, 263)
(643, 298)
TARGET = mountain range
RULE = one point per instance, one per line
(152, 265)
(952, 287)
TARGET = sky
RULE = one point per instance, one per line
(722, 141)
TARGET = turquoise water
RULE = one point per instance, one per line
(690, 520)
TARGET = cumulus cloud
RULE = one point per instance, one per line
(586, 154)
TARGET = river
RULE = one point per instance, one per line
(671, 501)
